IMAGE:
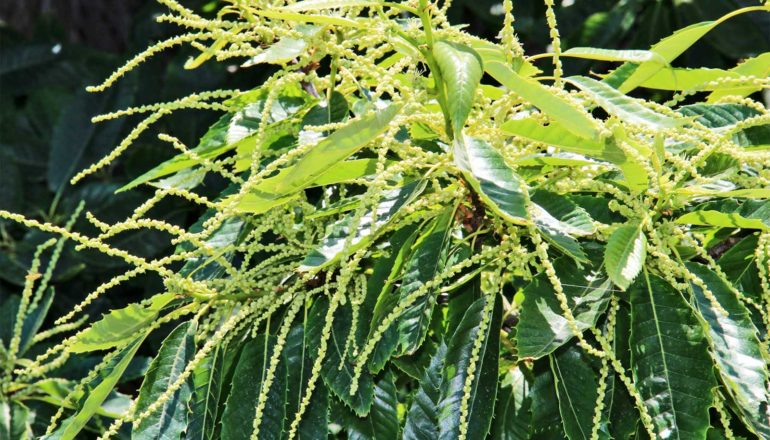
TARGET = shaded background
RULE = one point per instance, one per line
(51, 49)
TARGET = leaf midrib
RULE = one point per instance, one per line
(569, 399)
(663, 352)
(176, 357)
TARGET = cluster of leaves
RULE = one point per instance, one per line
(423, 238)
(46, 136)
(29, 403)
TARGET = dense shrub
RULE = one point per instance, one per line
(423, 235)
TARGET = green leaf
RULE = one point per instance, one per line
(752, 214)
(170, 419)
(736, 349)
(576, 389)
(211, 145)
(425, 262)
(625, 254)
(207, 388)
(627, 109)
(542, 328)
(206, 267)
(246, 385)
(337, 367)
(465, 295)
(575, 120)
(483, 390)
(758, 66)
(669, 49)
(494, 181)
(512, 410)
(669, 357)
(286, 49)
(739, 263)
(15, 421)
(319, 5)
(55, 391)
(569, 218)
(546, 421)
(206, 54)
(382, 421)
(422, 420)
(621, 410)
(559, 136)
(263, 196)
(414, 365)
(299, 365)
(337, 235)
(461, 69)
(34, 320)
(597, 207)
(384, 278)
(72, 135)
(727, 116)
(555, 160)
(593, 53)
(283, 51)
(489, 52)
(677, 78)
(563, 242)
(335, 110)
(339, 207)
(119, 326)
(335, 148)
(96, 391)
(559, 219)
(20, 56)
(695, 191)
(12, 196)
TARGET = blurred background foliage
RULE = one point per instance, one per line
(50, 50)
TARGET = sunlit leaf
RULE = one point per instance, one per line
(625, 254)
(335, 148)
(96, 391)
(494, 181)
(669, 49)
(119, 326)
(758, 66)
(628, 109)
(461, 69)
(593, 53)
(752, 214)
(577, 121)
